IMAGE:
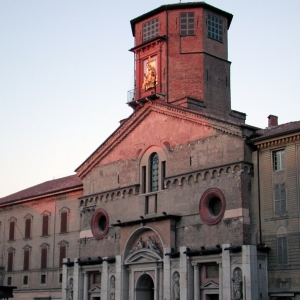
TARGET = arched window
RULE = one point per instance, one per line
(44, 256)
(154, 172)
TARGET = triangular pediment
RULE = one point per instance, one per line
(210, 285)
(95, 289)
(157, 120)
(143, 256)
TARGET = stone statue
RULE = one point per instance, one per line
(237, 284)
(70, 289)
(176, 286)
(150, 77)
(151, 244)
(139, 245)
(112, 287)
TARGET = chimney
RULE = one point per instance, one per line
(273, 121)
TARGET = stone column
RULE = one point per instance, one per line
(225, 292)
(85, 286)
(118, 276)
(77, 285)
(183, 274)
(249, 269)
(64, 280)
(160, 280)
(167, 274)
(104, 281)
(196, 282)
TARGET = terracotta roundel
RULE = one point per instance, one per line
(212, 206)
(100, 223)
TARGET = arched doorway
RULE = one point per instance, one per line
(144, 288)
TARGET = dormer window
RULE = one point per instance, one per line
(187, 23)
(215, 28)
(150, 29)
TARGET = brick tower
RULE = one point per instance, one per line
(181, 57)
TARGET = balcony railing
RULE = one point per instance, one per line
(139, 93)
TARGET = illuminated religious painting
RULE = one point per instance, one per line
(150, 74)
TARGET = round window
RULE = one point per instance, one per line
(99, 223)
(212, 206)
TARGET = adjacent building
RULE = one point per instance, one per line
(39, 228)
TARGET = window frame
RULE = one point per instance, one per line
(282, 250)
(12, 231)
(10, 260)
(212, 27)
(26, 259)
(281, 157)
(44, 256)
(64, 220)
(146, 29)
(45, 224)
(28, 227)
(185, 31)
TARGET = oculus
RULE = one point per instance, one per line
(212, 206)
(100, 223)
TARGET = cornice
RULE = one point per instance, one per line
(278, 141)
(47, 197)
(138, 116)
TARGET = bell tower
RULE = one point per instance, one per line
(181, 58)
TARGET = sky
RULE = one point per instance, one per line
(65, 70)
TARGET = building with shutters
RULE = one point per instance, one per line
(277, 163)
(39, 228)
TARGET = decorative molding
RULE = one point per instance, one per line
(278, 142)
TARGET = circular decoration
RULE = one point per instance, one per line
(212, 206)
(99, 223)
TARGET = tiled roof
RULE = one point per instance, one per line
(48, 187)
(278, 130)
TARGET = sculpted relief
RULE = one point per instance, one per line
(150, 244)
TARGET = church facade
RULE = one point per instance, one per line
(184, 201)
(167, 200)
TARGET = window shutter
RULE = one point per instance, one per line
(277, 199)
(10, 261)
(27, 228)
(44, 258)
(284, 251)
(45, 225)
(63, 223)
(283, 198)
(26, 260)
(62, 254)
(12, 231)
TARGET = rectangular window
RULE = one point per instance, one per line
(12, 231)
(25, 280)
(45, 225)
(280, 198)
(60, 278)
(10, 261)
(62, 254)
(27, 228)
(44, 254)
(144, 179)
(278, 160)
(150, 29)
(187, 23)
(163, 173)
(43, 279)
(9, 280)
(63, 222)
(26, 260)
(282, 250)
(215, 28)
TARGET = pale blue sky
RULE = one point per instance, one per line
(66, 70)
